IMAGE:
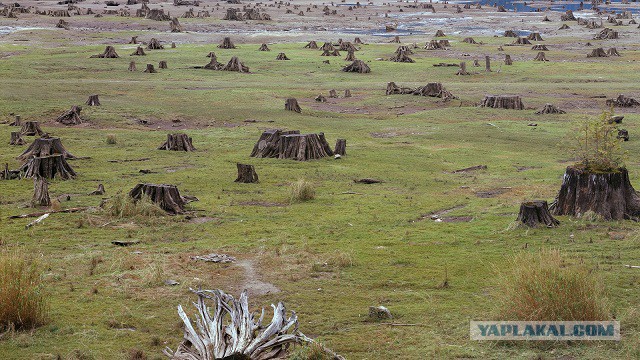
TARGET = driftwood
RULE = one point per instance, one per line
(357, 66)
(227, 44)
(608, 194)
(40, 192)
(109, 53)
(132, 66)
(45, 146)
(282, 56)
(291, 104)
(154, 44)
(93, 100)
(214, 258)
(48, 167)
(31, 128)
(177, 142)
(150, 69)
(98, 191)
(246, 174)
(541, 56)
(502, 102)
(341, 147)
(535, 213)
(167, 197)
(550, 109)
(264, 47)
(37, 221)
(71, 116)
(235, 65)
(250, 339)
(16, 138)
(623, 101)
(564, 27)
(269, 143)
(139, 52)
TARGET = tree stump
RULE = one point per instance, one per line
(269, 143)
(599, 52)
(291, 104)
(549, 109)
(433, 45)
(540, 57)
(487, 64)
(98, 191)
(347, 93)
(357, 66)
(396, 39)
(341, 147)
(132, 66)
(440, 33)
(71, 117)
(109, 53)
(564, 27)
(507, 60)
(327, 46)
(535, 37)
(351, 56)
(227, 44)
(303, 147)
(606, 34)
(568, 16)
(139, 52)
(48, 167)
(167, 197)
(613, 52)
(623, 101)
(608, 194)
(282, 56)
(175, 25)
(150, 69)
(623, 134)
(31, 128)
(402, 55)
(213, 63)
(469, 40)
(510, 33)
(235, 65)
(16, 139)
(45, 146)
(539, 47)
(330, 53)
(134, 40)
(476, 63)
(535, 213)
(246, 174)
(40, 192)
(264, 47)
(173, 45)
(311, 45)
(93, 100)
(463, 69)
(502, 102)
(154, 44)
(177, 142)
(162, 64)
(393, 89)
(333, 93)
(16, 121)
(522, 41)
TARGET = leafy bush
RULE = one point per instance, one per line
(302, 190)
(541, 287)
(597, 146)
(22, 303)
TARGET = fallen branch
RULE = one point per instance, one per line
(633, 266)
(128, 160)
(70, 210)
(37, 221)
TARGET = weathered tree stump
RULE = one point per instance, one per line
(227, 44)
(623, 134)
(608, 194)
(48, 167)
(177, 142)
(282, 56)
(357, 41)
(139, 52)
(167, 197)
(440, 33)
(347, 93)
(150, 69)
(522, 41)
(93, 100)
(502, 102)
(175, 25)
(463, 69)
(535, 37)
(246, 174)
(341, 147)
(396, 39)
(599, 52)
(487, 64)
(507, 60)
(71, 116)
(402, 55)
(134, 40)
(303, 147)
(550, 109)
(564, 27)
(109, 53)
(62, 24)
(347, 46)
(16, 121)
(393, 89)
(535, 213)
(291, 104)
(357, 66)
(45, 146)
(434, 90)
(16, 138)
(606, 34)
(98, 191)
(434, 45)
(264, 47)
(321, 98)
(173, 45)
(132, 66)
(351, 56)
(162, 64)
(623, 101)
(469, 40)
(235, 65)
(613, 52)
(269, 143)
(510, 33)
(333, 94)
(31, 128)
(540, 57)
(40, 192)
(330, 53)
(213, 62)
(311, 45)
(154, 44)
(568, 16)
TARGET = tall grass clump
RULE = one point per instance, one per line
(22, 302)
(313, 351)
(596, 144)
(123, 206)
(542, 287)
(302, 190)
(111, 139)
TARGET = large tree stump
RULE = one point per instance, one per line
(132, 66)
(31, 128)
(235, 65)
(40, 192)
(139, 52)
(167, 197)
(357, 66)
(48, 167)
(535, 213)
(71, 117)
(154, 44)
(227, 44)
(45, 146)
(150, 69)
(16, 139)
(246, 174)
(502, 102)
(291, 104)
(177, 142)
(303, 147)
(341, 147)
(93, 100)
(109, 53)
(608, 194)
(540, 57)
(162, 64)
(269, 143)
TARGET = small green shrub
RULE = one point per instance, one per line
(597, 146)
(302, 190)
(541, 287)
(22, 302)
(111, 139)
(310, 352)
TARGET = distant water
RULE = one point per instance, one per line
(562, 6)
(4, 30)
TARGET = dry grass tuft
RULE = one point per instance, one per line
(302, 190)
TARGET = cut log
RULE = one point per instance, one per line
(550, 109)
(540, 57)
(502, 102)
(264, 47)
(311, 45)
(246, 174)
(613, 52)
(167, 197)
(623, 101)
(150, 69)
(132, 66)
(177, 142)
(154, 44)
(162, 64)
(291, 104)
(507, 60)
(235, 65)
(175, 25)
(48, 167)
(357, 66)
(535, 213)
(16, 138)
(608, 194)
(282, 56)
(341, 147)
(139, 52)
(303, 147)
(269, 143)
(40, 192)
(93, 100)
(599, 52)
(31, 128)
(252, 340)
(71, 116)
(98, 191)
(463, 69)
(45, 146)
(227, 44)
(540, 47)
(109, 53)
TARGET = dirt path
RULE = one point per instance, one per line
(252, 282)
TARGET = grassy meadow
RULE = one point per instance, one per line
(351, 247)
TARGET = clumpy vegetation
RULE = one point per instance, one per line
(598, 147)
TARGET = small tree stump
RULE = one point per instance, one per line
(291, 104)
(351, 56)
(522, 41)
(347, 93)
(264, 47)
(502, 102)
(246, 174)
(476, 63)
(613, 52)
(48, 167)
(535, 37)
(173, 45)
(440, 33)
(109, 53)
(162, 64)
(357, 66)
(311, 45)
(235, 65)
(134, 40)
(227, 44)
(167, 197)
(623, 134)
(540, 57)
(623, 101)
(507, 60)
(379, 313)
(550, 109)
(154, 44)
(132, 66)
(31, 128)
(333, 93)
(45, 146)
(175, 25)
(487, 64)
(463, 69)
(536, 212)
(599, 52)
(341, 147)
(510, 33)
(16, 139)
(98, 191)
(93, 100)
(282, 56)
(150, 69)
(177, 142)
(469, 40)
(71, 117)
(321, 98)
(16, 121)
(40, 192)
(139, 52)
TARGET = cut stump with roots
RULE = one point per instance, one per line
(177, 142)
(502, 102)
(535, 213)
(71, 116)
(167, 197)
(291, 104)
(246, 174)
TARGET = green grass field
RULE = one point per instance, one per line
(354, 245)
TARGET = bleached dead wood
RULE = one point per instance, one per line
(37, 221)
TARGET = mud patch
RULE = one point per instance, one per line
(252, 282)
(201, 219)
(438, 214)
(492, 192)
